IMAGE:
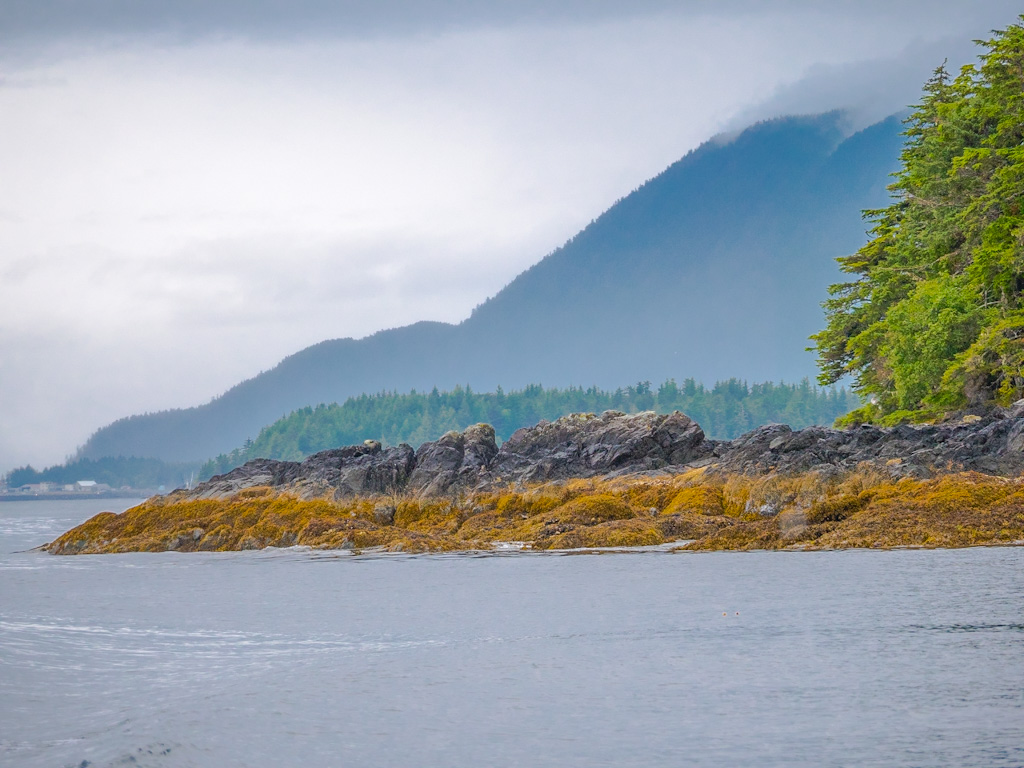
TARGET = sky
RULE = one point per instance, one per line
(193, 190)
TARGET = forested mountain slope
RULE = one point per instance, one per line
(713, 269)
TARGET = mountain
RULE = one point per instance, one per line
(714, 268)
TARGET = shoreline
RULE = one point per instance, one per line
(139, 494)
(693, 511)
(672, 548)
(613, 480)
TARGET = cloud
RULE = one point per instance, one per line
(205, 319)
(275, 19)
(868, 91)
(212, 188)
(40, 22)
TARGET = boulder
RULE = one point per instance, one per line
(453, 461)
(356, 470)
(585, 445)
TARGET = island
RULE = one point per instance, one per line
(928, 324)
(604, 481)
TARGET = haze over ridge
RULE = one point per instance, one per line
(731, 248)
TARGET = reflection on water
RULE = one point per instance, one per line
(296, 657)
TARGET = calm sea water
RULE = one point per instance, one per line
(290, 657)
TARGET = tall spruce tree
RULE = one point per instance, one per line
(934, 319)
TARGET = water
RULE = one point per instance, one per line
(290, 657)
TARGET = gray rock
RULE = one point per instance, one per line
(615, 444)
(585, 445)
(993, 444)
(356, 470)
(258, 472)
(454, 461)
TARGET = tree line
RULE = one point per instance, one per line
(116, 472)
(725, 411)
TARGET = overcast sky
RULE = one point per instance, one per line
(192, 190)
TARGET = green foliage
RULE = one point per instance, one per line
(933, 319)
(724, 411)
(997, 357)
(937, 321)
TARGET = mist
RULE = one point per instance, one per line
(195, 192)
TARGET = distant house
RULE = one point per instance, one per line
(90, 486)
(37, 488)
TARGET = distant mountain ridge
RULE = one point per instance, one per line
(714, 268)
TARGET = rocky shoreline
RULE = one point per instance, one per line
(607, 480)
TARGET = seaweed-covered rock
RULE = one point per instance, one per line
(953, 484)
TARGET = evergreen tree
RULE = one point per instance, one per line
(934, 317)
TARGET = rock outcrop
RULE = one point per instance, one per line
(992, 444)
(585, 445)
(615, 444)
(579, 445)
(355, 470)
(456, 460)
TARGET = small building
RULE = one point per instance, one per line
(86, 486)
(37, 488)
